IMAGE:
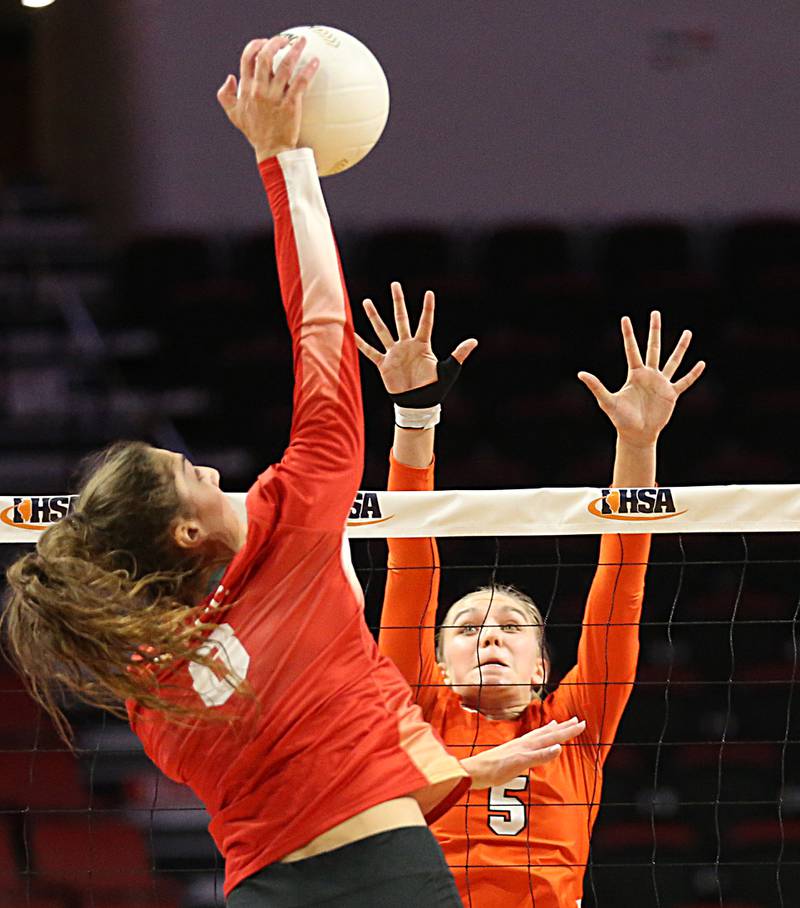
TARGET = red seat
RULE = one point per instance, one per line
(23, 724)
(631, 835)
(90, 853)
(8, 859)
(146, 899)
(20, 897)
(41, 779)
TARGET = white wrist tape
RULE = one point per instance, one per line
(417, 418)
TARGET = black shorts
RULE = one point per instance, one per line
(402, 868)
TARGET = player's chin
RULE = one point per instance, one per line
(495, 676)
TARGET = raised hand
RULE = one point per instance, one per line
(500, 764)
(409, 362)
(644, 404)
(264, 105)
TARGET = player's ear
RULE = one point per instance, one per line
(445, 676)
(541, 669)
(188, 533)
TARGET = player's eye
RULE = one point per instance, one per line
(509, 627)
(469, 629)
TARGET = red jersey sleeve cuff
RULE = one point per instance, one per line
(452, 798)
(403, 478)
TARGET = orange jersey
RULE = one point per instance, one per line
(526, 843)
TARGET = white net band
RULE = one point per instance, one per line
(511, 512)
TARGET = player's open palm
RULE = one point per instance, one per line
(408, 362)
(644, 404)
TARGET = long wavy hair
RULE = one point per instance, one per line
(108, 599)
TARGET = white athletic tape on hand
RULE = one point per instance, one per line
(511, 512)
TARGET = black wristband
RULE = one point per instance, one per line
(447, 371)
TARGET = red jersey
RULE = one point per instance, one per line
(329, 728)
(525, 844)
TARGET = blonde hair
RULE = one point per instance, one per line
(108, 594)
(521, 599)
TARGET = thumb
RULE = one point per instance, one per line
(597, 388)
(226, 95)
(463, 350)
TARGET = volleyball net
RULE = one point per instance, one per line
(701, 790)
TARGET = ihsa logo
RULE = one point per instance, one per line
(635, 504)
(36, 513)
(366, 509)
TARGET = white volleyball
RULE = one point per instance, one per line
(346, 106)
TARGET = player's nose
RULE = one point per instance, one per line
(212, 474)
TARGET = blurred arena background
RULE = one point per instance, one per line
(546, 169)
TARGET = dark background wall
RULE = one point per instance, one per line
(580, 111)
(561, 164)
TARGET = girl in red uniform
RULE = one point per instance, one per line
(241, 651)
(525, 842)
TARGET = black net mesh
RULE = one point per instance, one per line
(701, 792)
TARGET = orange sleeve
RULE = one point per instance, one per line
(408, 620)
(598, 687)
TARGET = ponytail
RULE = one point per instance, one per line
(108, 599)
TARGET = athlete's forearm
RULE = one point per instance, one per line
(634, 465)
(413, 447)
(324, 459)
(608, 650)
(412, 590)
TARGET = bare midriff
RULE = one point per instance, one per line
(394, 814)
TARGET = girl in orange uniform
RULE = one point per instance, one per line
(481, 683)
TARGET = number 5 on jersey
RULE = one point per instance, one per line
(507, 814)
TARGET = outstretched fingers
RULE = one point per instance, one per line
(558, 732)
(378, 325)
(676, 358)
(653, 354)
(463, 350)
(425, 326)
(400, 312)
(690, 378)
(543, 744)
(373, 355)
(632, 354)
(602, 395)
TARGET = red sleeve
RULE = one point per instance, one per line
(408, 619)
(317, 478)
(598, 687)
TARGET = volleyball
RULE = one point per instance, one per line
(346, 107)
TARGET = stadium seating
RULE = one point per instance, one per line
(544, 299)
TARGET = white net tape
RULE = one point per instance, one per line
(511, 512)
